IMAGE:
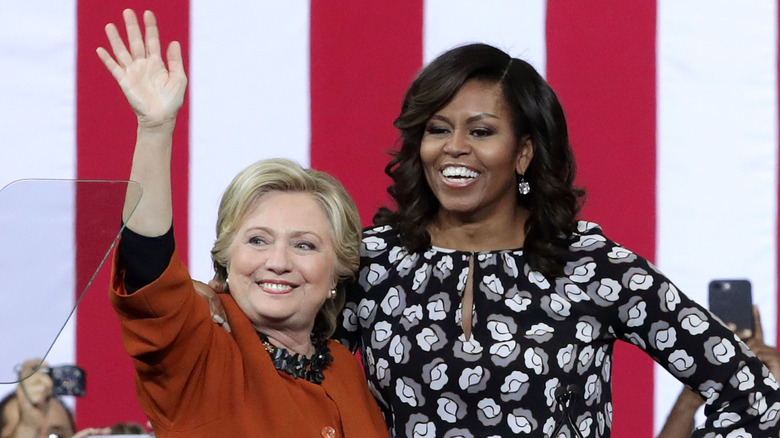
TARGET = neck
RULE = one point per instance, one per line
(493, 232)
(295, 343)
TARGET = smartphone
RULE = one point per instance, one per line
(68, 380)
(731, 300)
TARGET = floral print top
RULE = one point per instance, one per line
(532, 335)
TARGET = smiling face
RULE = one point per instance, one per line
(282, 262)
(471, 155)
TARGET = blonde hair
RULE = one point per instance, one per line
(281, 175)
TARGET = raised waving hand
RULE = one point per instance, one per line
(155, 92)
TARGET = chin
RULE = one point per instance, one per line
(458, 207)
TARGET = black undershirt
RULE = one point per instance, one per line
(144, 258)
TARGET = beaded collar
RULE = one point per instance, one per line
(300, 366)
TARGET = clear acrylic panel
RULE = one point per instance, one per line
(55, 235)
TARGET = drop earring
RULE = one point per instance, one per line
(523, 187)
(333, 294)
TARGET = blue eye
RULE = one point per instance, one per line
(305, 245)
(256, 241)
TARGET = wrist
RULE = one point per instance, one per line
(149, 126)
(689, 400)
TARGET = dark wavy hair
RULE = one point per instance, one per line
(553, 202)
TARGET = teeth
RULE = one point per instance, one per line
(275, 287)
(459, 172)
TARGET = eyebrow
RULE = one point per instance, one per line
(292, 233)
(472, 119)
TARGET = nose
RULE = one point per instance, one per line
(278, 260)
(457, 144)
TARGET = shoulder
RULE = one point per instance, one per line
(376, 232)
(589, 238)
(379, 239)
(589, 244)
(344, 361)
(337, 350)
(585, 228)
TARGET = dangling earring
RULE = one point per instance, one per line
(333, 294)
(227, 285)
(523, 187)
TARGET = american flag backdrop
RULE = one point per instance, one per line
(672, 108)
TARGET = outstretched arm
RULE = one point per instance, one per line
(681, 418)
(155, 92)
(680, 422)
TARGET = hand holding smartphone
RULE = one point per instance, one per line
(731, 300)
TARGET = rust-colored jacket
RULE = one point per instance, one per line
(195, 380)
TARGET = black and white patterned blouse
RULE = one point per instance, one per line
(533, 334)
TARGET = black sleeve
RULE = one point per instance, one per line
(144, 258)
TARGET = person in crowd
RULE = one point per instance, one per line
(31, 411)
(127, 429)
(287, 240)
(680, 422)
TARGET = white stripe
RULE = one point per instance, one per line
(717, 153)
(249, 100)
(516, 27)
(37, 80)
(37, 125)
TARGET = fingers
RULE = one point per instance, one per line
(758, 331)
(221, 321)
(218, 314)
(121, 54)
(745, 334)
(115, 69)
(152, 34)
(90, 431)
(34, 394)
(208, 292)
(30, 366)
(216, 286)
(138, 46)
(134, 39)
(174, 58)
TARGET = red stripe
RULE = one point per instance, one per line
(601, 62)
(105, 137)
(362, 60)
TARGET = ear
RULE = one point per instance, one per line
(524, 156)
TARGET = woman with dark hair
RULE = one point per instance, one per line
(535, 116)
(484, 308)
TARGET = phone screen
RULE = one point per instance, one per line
(68, 380)
(731, 300)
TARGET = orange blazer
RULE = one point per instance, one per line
(193, 379)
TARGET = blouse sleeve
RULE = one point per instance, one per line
(693, 345)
